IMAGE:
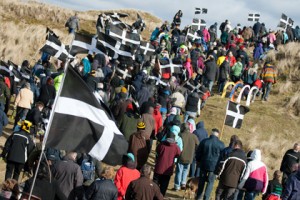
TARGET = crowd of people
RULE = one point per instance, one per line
(145, 111)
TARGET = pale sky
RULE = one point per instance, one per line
(236, 11)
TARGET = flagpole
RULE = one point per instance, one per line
(222, 130)
(51, 119)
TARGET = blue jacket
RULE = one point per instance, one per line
(292, 189)
(208, 153)
(200, 131)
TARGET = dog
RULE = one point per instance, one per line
(191, 188)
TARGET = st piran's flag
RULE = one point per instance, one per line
(253, 17)
(235, 114)
(83, 124)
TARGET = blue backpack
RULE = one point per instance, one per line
(88, 168)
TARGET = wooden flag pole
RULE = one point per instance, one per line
(50, 120)
(222, 130)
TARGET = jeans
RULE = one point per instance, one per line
(20, 115)
(208, 83)
(250, 195)
(189, 114)
(266, 90)
(162, 181)
(181, 175)
(194, 169)
(209, 177)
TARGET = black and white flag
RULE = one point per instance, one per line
(83, 124)
(147, 49)
(235, 114)
(116, 15)
(285, 22)
(54, 47)
(86, 44)
(192, 34)
(169, 65)
(125, 37)
(198, 24)
(114, 47)
(14, 68)
(253, 17)
(4, 69)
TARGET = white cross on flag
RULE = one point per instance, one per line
(198, 24)
(253, 17)
(192, 34)
(172, 66)
(123, 36)
(284, 22)
(147, 49)
(54, 47)
(86, 44)
(235, 114)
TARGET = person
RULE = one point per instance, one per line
(233, 168)
(236, 70)
(255, 179)
(67, 173)
(35, 116)
(274, 190)
(149, 121)
(44, 187)
(193, 105)
(224, 72)
(292, 190)
(158, 119)
(73, 23)
(291, 157)
(269, 76)
(47, 93)
(16, 150)
(4, 94)
(190, 143)
(211, 73)
(23, 103)
(166, 152)
(143, 188)
(179, 102)
(139, 146)
(103, 187)
(201, 134)
(126, 174)
(207, 155)
(128, 122)
(3, 118)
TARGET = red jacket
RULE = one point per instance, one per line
(258, 83)
(158, 119)
(123, 177)
(166, 153)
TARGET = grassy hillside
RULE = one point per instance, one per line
(23, 26)
(273, 126)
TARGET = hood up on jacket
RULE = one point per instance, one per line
(200, 125)
(256, 154)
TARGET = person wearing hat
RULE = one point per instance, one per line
(139, 146)
(207, 155)
(16, 150)
(126, 174)
(23, 103)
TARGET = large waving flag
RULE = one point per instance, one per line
(81, 123)
(235, 114)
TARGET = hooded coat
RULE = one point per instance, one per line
(200, 131)
(255, 178)
(292, 189)
(190, 143)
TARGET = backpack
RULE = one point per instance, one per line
(88, 168)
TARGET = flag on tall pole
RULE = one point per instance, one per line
(285, 22)
(82, 123)
(235, 114)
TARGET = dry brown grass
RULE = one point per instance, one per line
(23, 26)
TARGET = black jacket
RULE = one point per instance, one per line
(224, 71)
(233, 168)
(289, 159)
(18, 147)
(211, 70)
(192, 102)
(34, 116)
(47, 93)
(104, 189)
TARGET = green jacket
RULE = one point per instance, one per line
(5, 92)
(237, 68)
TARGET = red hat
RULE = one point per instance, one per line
(129, 107)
